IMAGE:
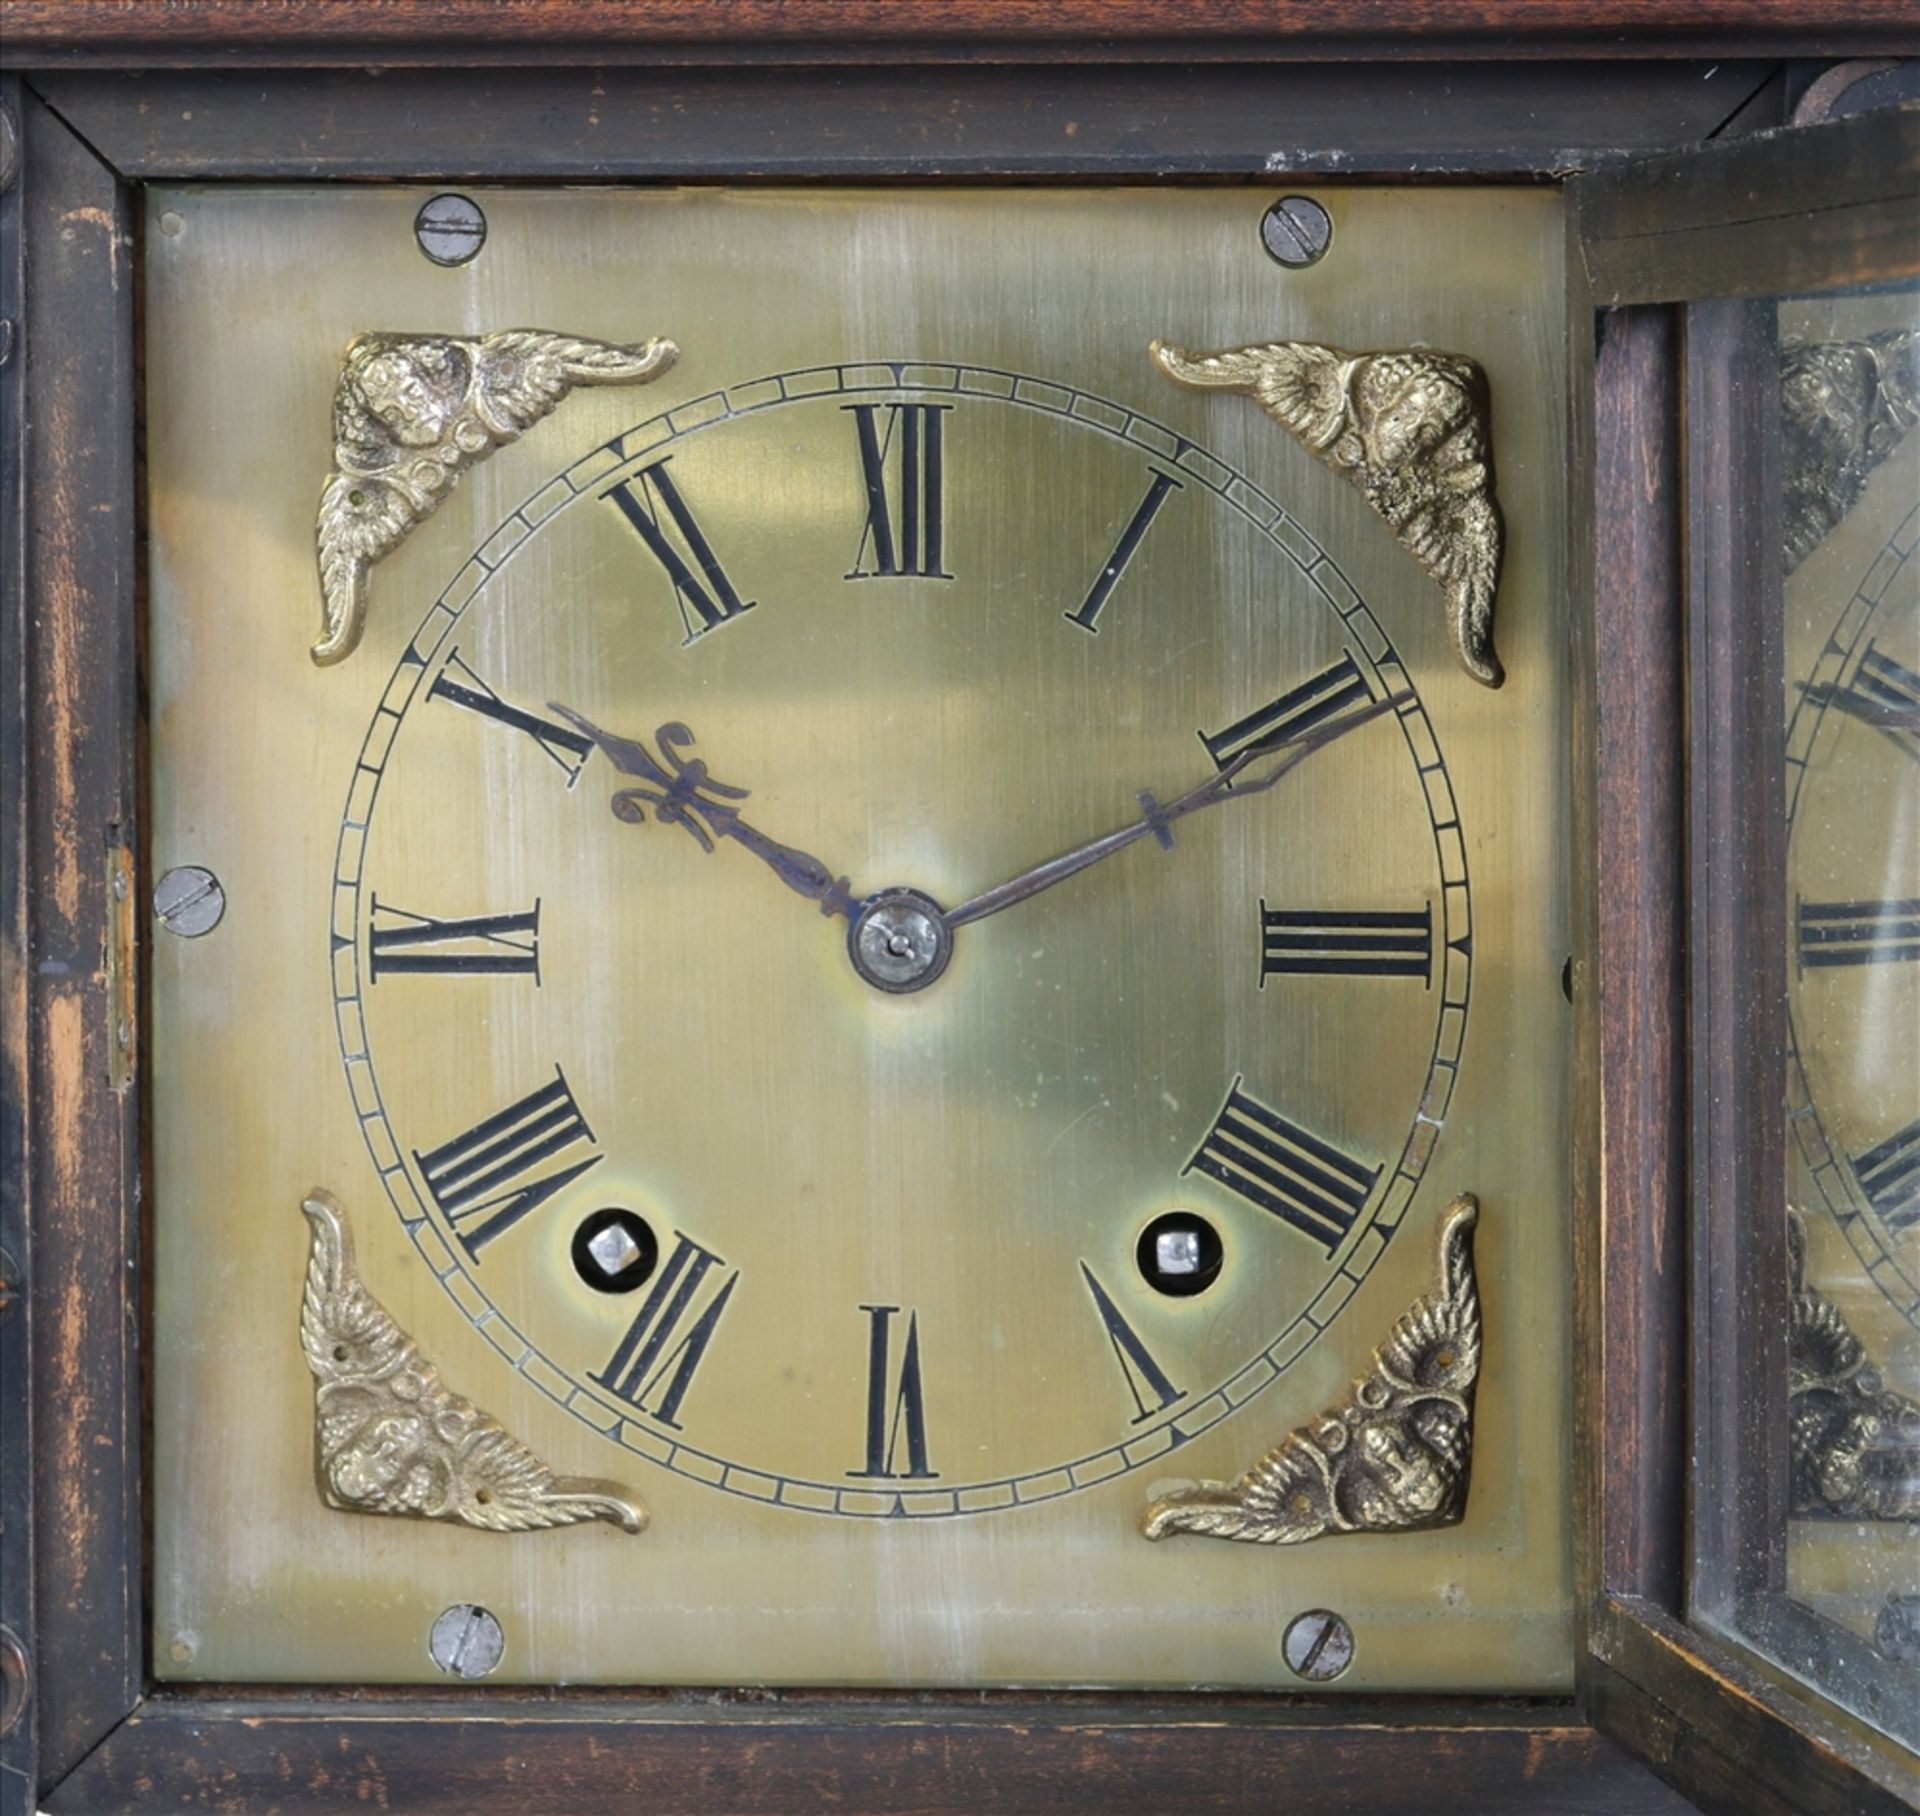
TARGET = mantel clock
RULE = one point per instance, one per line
(890, 925)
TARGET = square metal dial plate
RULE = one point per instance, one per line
(895, 1307)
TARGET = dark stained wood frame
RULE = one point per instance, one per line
(1680, 251)
(1082, 102)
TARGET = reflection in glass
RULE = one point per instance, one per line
(1850, 515)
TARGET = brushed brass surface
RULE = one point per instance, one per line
(438, 939)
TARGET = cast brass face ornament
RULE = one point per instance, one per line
(392, 1439)
(1854, 1442)
(1413, 431)
(1394, 1458)
(411, 413)
(1844, 407)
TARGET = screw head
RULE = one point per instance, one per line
(1318, 1645)
(189, 901)
(451, 229)
(1297, 231)
(466, 1641)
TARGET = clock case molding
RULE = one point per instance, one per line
(95, 107)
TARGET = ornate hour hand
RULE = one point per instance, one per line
(679, 792)
(1157, 819)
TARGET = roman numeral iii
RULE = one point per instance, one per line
(1890, 1176)
(896, 1403)
(492, 945)
(1345, 942)
(661, 1353)
(906, 522)
(1300, 709)
(488, 1178)
(652, 504)
(1275, 1164)
(1858, 933)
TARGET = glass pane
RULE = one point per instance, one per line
(1843, 1609)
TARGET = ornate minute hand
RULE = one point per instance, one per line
(1157, 819)
(681, 793)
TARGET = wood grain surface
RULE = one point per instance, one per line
(861, 30)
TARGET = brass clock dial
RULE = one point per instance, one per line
(683, 934)
(1240, 1037)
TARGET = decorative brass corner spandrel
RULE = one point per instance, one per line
(1854, 1443)
(392, 1439)
(411, 413)
(1413, 430)
(1393, 1457)
(1844, 407)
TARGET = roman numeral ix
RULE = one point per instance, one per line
(661, 1353)
(899, 1415)
(651, 503)
(904, 533)
(1345, 942)
(494, 945)
(487, 1179)
(1275, 1164)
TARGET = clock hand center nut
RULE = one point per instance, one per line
(899, 940)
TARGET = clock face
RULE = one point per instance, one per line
(1854, 780)
(877, 1248)
(1852, 668)
(649, 934)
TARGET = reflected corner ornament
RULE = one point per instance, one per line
(392, 1439)
(1413, 430)
(1844, 407)
(1394, 1457)
(1854, 1443)
(411, 413)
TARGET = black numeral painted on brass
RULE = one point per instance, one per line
(487, 1179)
(1277, 1165)
(1297, 711)
(905, 532)
(457, 684)
(1890, 1177)
(896, 1403)
(668, 1338)
(651, 503)
(1123, 551)
(1858, 933)
(485, 945)
(1887, 682)
(1146, 1380)
(1345, 942)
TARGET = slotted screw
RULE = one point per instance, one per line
(451, 229)
(1297, 231)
